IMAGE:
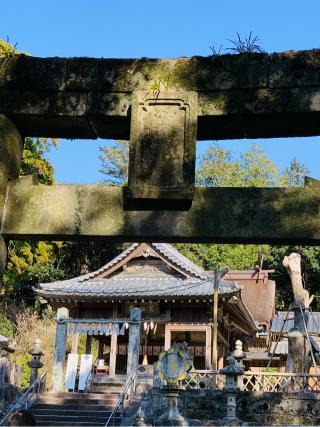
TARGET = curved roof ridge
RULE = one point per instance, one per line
(165, 249)
(109, 264)
(176, 257)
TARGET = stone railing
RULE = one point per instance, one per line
(254, 381)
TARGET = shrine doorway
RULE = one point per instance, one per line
(197, 336)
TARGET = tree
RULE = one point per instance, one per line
(33, 160)
(218, 168)
(294, 175)
(115, 162)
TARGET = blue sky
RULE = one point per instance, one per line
(168, 29)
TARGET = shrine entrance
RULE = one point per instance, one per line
(197, 336)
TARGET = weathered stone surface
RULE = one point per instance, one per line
(196, 73)
(273, 215)
(248, 95)
(295, 68)
(11, 146)
(162, 145)
(134, 341)
(252, 407)
(60, 350)
(28, 72)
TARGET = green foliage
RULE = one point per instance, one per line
(33, 161)
(235, 257)
(76, 258)
(115, 162)
(219, 168)
(30, 263)
(7, 327)
(7, 51)
(294, 175)
(22, 360)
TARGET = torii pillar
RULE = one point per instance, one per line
(11, 147)
(134, 341)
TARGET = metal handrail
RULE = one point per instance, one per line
(130, 381)
(89, 377)
(23, 401)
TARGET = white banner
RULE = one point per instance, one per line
(85, 370)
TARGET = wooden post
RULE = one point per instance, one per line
(113, 355)
(60, 350)
(167, 337)
(208, 348)
(88, 344)
(215, 321)
(134, 341)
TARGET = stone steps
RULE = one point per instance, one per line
(75, 405)
(77, 409)
(74, 401)
(70, 412)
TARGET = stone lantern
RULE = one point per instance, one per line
(232, 371)
(35, 362)
(238, 353)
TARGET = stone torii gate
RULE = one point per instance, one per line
(162, 107)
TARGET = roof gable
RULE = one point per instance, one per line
(163, 251)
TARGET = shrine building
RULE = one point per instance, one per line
(176, 301)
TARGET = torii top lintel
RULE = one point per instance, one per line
(237, 94)
(163, 106)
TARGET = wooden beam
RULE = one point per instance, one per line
(239, 215)
(113, 355)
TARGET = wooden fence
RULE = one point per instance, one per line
(255, 381)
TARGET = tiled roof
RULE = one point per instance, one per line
(107, 266)
(280, 324)
(164, 249)
(279, 348)
(138, 287)
(177, 258)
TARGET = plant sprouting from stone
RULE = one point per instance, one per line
(7, 52)
(159, 83)
(239, 45)
(247, 45)
(214, 51)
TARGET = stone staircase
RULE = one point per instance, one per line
(79, 409)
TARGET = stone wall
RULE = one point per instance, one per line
(255, 408)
